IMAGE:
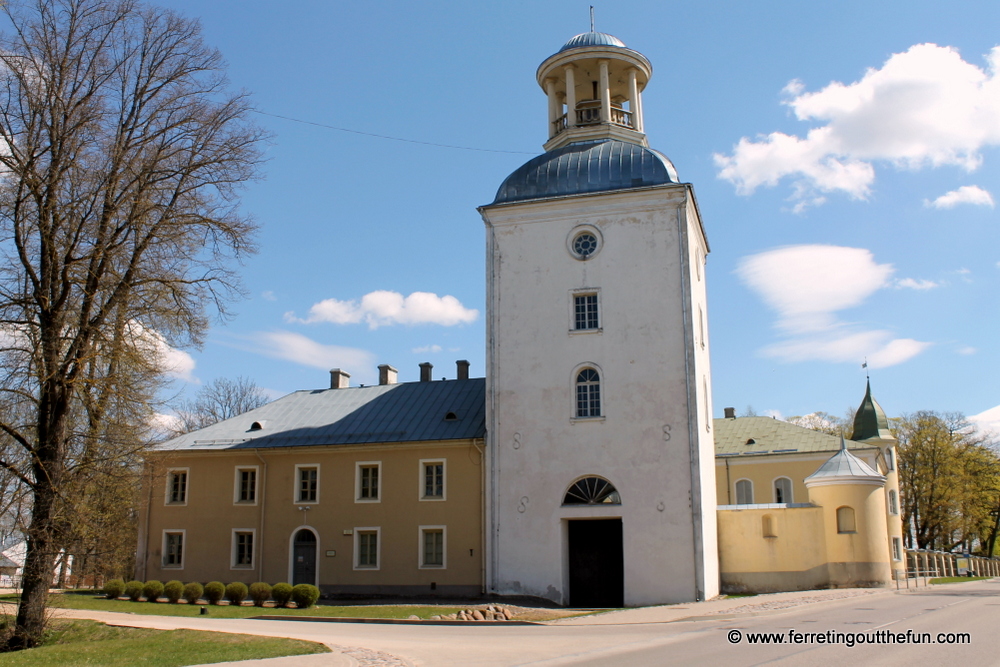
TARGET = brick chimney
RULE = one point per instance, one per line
(387, 374)
(463, 369)
(425, 371)
(730, 413)
(339, 379)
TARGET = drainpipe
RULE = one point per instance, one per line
(482, 515)
(261, 505)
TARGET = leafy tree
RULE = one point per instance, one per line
(123, 157)
(824, 422)
(220, 399)
(948, 482)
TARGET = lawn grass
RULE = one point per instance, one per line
(90, 601)
(955, 580)
(92, 643)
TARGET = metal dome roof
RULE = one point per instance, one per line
(586, 167)
(592, 39)
(870, 422)
(844, 467)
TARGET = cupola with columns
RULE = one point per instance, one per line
(594, 84)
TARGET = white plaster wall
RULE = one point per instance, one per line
(654, 378)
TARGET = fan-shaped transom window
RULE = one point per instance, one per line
(592, 491)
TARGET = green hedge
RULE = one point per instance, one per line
(133, 590)
(281, 594)
(236, 593)
(193, 592)
(260, 593)
(305, 595)
(214, 591)
(152, 589)
(114, 589)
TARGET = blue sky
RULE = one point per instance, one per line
(845, 168)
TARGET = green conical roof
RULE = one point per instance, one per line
(870, 422)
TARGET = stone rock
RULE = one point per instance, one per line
(507, 614)
(462, 616)
(488, 615)
(413, 617)
(436, 617)
(478, 615)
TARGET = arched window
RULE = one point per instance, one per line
(767, 526)
(592, 491)
(783, 490)
(588, 393)
(845, 520)
(744, 492)
(893, 503)
(890, 464)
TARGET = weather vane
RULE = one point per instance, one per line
(592, 18)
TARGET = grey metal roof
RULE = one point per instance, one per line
(764, 435)
(592, 39)
(407, 412)
(844, 465)
(585, 167)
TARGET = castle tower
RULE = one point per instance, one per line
(871, 427)
(851, 494)
(601, 476)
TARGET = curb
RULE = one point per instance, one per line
(387, 621)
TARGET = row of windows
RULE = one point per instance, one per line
(431, 484)
(846, 524)
(367, 545)
(783, 493)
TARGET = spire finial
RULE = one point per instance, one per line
(592, 18)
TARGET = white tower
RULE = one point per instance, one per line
(601, 485)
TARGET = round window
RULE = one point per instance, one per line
(585, 244)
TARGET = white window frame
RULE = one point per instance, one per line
(585, 291)
(358, 465)
(163, 548)
(890, 459)
(233, 565)
(893, 499)
(421, 531)
(791, 489)
(297, 482)
(238, 484)
(736, 491)
(187, 487)
(377, 530)
(602, 392)
(421, 481)
(897, 549)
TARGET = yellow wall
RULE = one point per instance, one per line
(211, 515)
(795, 559)
(860, 558)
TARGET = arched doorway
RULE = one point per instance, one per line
(304, 557)
(596, 554)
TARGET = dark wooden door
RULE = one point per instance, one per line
(304, 558)
(596, 563)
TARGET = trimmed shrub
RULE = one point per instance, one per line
(214, 591)
(173, 590)
(305, 595)
(236, 593)
(152, 589)
(114, 589)
(260, 593)
(281, 594)
(133, 590)
(193, 591)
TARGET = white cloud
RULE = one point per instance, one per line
(924, 107)
(307, 352)
(967, 194)
(910, 283)
(175, 363)
(967, 350)
(806, 285)
(382, 308)
(268, 296)
(434, 349)
(987, 422)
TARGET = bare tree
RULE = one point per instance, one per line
(122, 156)
(220, 399)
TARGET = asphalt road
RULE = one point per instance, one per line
(654, 636)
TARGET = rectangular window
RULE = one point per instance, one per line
(246, 485)
(432, 480)
(897, 549)
(585, 312)
(243, 548)
(367, 481)
(432, 546)
(366, 540)
(173, 549)
(177, 482)
(307, 484)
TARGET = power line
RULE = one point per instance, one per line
(383, 136)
